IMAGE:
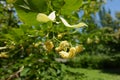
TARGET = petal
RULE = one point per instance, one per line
(81, 24)
(42, 18)
(52, 16)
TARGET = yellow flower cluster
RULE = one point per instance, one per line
(48, 45)
(96, 40)
(69, 54)
(79, 48)
(4, 55)
(62, 46)
(41, 17)
(62, 50)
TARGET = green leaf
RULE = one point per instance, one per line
(24, 72)
(28, 18)
(38, 5)
(15, 34)
(56, 4)
(9, 36)
(70, 6)
(18, 31)
(25, 13)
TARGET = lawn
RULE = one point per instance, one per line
(92, 74)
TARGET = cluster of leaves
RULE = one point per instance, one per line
(100, 61)
(102, 36)
(101, 41)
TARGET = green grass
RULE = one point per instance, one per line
(90, 74)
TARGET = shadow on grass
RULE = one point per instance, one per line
(111, 71)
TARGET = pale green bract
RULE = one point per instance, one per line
(41, 17)
(79, 25)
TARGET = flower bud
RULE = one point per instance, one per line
(36, 44)
(59, 36)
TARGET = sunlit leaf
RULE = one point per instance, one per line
(70, 6)
(24, 72)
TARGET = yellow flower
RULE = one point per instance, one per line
(60, 35)
(79, 48)
(58, 49)
(62, 46)
(36, 44)
(41, 17)
(72, 52)
(64, 54)
(79, 25)
(89, 40)
(4, 55)
(69, 54)
(49, 45)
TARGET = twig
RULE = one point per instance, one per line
(16, 74)
(1, 48)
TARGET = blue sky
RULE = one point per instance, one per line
(113, 5)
